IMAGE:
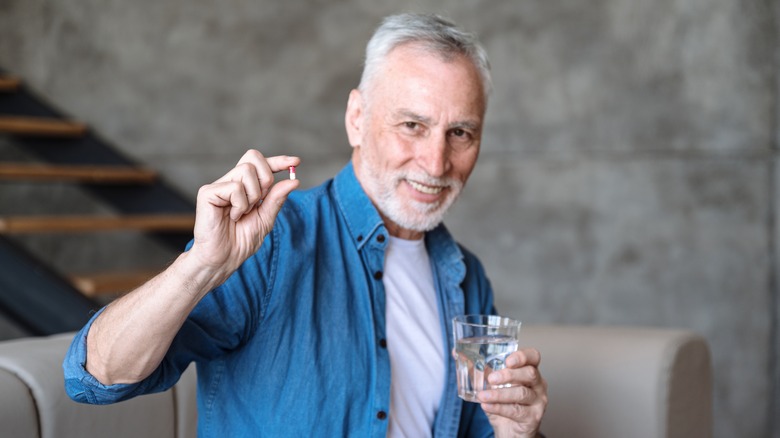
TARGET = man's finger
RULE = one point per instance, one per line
(235, 195)
(274, 201)
(266, 167)
(524, 357)
(275, 164)
(282, 162)
(255, 169)
(529, 414)
(225, 194)
(527, 375)
(514, 394)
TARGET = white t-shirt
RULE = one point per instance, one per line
(414, 339)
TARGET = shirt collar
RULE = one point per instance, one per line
(440, 243)
(362, 218)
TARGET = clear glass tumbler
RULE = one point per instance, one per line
(482, 343)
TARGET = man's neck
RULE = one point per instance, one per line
(402, 233)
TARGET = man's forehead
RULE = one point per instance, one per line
(412, 83)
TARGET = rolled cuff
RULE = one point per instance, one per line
(83, 387)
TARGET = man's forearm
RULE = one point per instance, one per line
(233, 215)
(127, 342)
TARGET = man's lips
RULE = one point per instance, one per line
(422, 188)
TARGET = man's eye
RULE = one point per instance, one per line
(460, 134)
(411, 125)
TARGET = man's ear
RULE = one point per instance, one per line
(353, 119)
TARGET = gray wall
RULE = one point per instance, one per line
(628, 172)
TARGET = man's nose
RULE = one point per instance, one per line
(433, 155)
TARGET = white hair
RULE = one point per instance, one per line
(430, 32)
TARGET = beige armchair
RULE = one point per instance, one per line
(603, 382)
(624, 382)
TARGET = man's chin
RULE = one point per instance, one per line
(415, 215)
(422, 223)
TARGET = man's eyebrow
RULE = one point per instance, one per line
(465, 124)
(404, 113)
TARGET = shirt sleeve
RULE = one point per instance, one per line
(80, 385)
(221, 322)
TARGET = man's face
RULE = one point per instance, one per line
(416, 133)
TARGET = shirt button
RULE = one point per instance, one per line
(381, 415)
(383, 343)
(380, 238)
(360, 238)
(378, 275)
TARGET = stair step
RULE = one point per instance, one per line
(76, 224)
(77, 173)
(112, 283)
(8, 83)
(37, 126)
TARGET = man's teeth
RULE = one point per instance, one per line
(425, 189)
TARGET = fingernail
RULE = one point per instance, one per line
(511, 361)
(494, 378)
(485, 395)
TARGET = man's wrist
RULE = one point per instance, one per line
(197, 277)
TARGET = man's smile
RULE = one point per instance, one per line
(428, 190)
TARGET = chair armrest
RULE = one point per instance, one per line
(37, 364)
(624, 381)
(18, 416)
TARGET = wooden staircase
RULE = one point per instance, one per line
(41, 127)
(99, 285)
(8, 83)
(68, 152)
(76, 173)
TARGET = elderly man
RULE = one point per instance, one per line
(327, 312)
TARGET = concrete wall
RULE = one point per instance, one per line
(629, 164)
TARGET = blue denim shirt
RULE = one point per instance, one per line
(290, 344)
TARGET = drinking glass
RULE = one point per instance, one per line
(482, 343)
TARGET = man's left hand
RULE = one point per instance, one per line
(516, 411)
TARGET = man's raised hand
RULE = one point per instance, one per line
(237, 211)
